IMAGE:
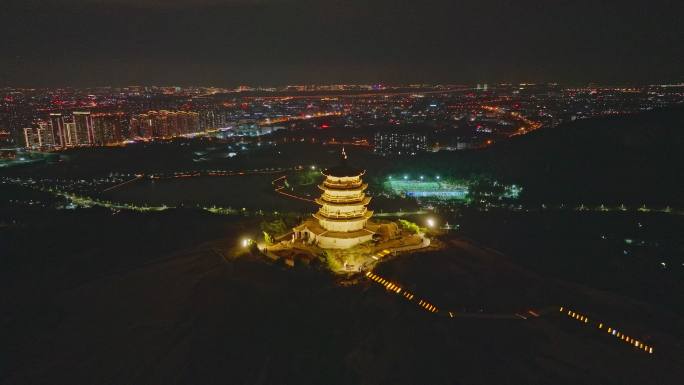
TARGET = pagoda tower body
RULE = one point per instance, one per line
(342, 220)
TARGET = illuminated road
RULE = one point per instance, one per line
(137, 177)
(528, 125)
(363, 95)
(194, 174)
(90, 202)
(600, 208)
(285, 119)
(279, 186)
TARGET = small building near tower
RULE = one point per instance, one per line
(342, 220)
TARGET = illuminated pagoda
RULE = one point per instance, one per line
(342, 220)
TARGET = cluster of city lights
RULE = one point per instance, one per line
(528, 125)
(610, 330)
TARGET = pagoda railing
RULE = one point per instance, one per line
(343, 215)
(356, 199)
(343, 186)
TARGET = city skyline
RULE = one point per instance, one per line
(396, 118)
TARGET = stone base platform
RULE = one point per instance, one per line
(311, 232)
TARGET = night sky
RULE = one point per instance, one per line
(227, 43)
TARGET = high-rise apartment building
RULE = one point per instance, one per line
(84, 128)
(31, 138)
(58, 132)
(399, 143)
(109, 128)
(164, 124)
(71, 134)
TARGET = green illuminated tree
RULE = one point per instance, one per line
(410, 226)
(267, 238)
(274, 228)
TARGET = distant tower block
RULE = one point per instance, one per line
(341, 222)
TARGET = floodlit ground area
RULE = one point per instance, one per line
(424, 188)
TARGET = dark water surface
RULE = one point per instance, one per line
(253, 192)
